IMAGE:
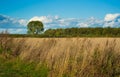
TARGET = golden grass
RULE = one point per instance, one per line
(72, 57)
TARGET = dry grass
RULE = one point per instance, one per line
(71, 57)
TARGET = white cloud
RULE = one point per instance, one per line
(12, 25)
(23, 22)
(19, 25)
(111, 17)
(44, 19)
(56, 21)
(6, 21)
(83, 24)
(112, 20)
(91, 22)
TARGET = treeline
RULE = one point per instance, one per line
(83, 32)
(75, 32)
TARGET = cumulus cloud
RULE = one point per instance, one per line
(45, 19)
(23, 22)
(19, 25)
(12, 25)
(112, 17)
(6, 21)
(91, 22)
(112, 20)
(58, 22)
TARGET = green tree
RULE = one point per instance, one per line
(35, 27)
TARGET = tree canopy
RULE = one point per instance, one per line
(83, 32)
(35, 27)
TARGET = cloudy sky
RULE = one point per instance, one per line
(15, 14)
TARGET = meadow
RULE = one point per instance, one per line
(59, 57)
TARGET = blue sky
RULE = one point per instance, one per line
(64, 8)
(21, 11)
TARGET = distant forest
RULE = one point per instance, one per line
(76, 32)
(82, 32)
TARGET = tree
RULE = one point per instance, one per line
(35, 27)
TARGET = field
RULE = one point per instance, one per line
(59, 57)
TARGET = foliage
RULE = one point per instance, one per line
(75, 32)
(83, 32)
(35, 27)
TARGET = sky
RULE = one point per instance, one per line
(15, 14)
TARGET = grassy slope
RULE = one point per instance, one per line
(65, 57)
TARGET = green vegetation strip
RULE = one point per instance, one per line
(18, 68)
(74, 32)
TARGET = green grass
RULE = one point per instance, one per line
(18, 68)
